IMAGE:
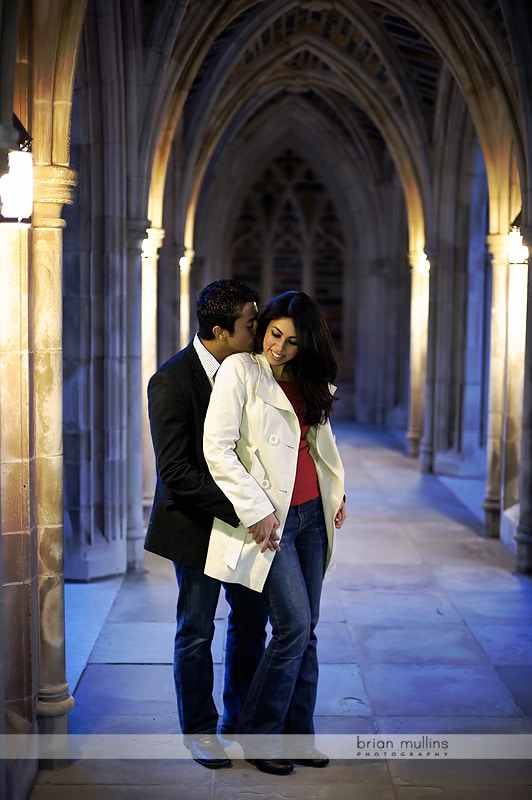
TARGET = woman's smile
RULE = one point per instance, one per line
(280, 344)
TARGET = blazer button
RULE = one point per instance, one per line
(266, 484)
(274, 439)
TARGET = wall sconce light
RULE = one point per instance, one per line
(16, 186)
(517, 251)
(424, 264)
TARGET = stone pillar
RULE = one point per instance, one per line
(135, 521)
(523, 536)
(150, 259)
(419, 309)
(185, 265)
(513, 408)
(498, 249)
(427, 443)
(53, 187)
(19, 635)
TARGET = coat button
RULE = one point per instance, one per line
(266, 484)
(273, 439)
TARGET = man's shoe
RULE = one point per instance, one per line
(206, 750)
(312, 762)
(274, 766)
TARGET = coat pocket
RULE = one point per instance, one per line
(225, 545)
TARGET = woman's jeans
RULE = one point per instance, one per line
(193, 666)
(282, 696)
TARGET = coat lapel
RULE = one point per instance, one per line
(268, 389)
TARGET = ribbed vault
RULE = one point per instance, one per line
(372, 66)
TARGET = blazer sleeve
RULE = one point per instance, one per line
(221, 433)
(176, 424)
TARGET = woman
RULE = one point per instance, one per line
(269, 446)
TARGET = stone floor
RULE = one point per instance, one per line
(425, 629)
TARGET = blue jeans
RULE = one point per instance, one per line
(193, 666)
(282, 696)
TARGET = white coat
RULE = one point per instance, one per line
(251, 441)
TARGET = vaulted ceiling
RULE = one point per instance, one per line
(374, 75)
(362, 64)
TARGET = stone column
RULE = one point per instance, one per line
(7, 140)
(498, 249)
(419, 309)
(19, 635)
(513, 407)
(523, 534)
(427, 443)
(185, 265)
(150, 259)
(53, 187)
(135, 521)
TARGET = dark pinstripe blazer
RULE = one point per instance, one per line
(186, 497)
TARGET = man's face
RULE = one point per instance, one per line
(241, 340)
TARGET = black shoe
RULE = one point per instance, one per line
(206, 750)
(312, 762)
(274, 766)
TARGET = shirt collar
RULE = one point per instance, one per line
(208, 361)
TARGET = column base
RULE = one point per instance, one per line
(135, 552)
(53, 707)
(412, 440)
(427, 459)
(523, 538)
(492, 519)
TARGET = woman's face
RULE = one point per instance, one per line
(280, 344)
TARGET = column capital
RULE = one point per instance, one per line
(156, 237)
(418, 261)
(498, 248)
(53, 187)
(137, 231)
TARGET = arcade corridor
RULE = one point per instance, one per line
(425, 629)
(375, 154)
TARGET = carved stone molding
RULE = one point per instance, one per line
(53, 187)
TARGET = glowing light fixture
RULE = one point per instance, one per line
(16, 186)
(517, 251)
(424, 264)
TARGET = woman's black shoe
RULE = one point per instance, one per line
(274, 766)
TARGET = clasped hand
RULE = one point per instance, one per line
(265, 533)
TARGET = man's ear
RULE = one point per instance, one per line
(219, 333)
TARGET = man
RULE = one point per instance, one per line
(185, 504)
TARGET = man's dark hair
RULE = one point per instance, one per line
(221, 303)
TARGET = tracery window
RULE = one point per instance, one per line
(288, 224)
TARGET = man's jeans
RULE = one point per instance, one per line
(282, 696)
(193, 666)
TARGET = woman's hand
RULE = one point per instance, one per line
(264, 532)
(340, 516)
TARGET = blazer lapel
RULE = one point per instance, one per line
(200, 377)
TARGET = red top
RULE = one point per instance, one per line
(306, 485)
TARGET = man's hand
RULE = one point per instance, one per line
(265, 533)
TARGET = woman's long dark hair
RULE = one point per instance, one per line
(314, 366)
